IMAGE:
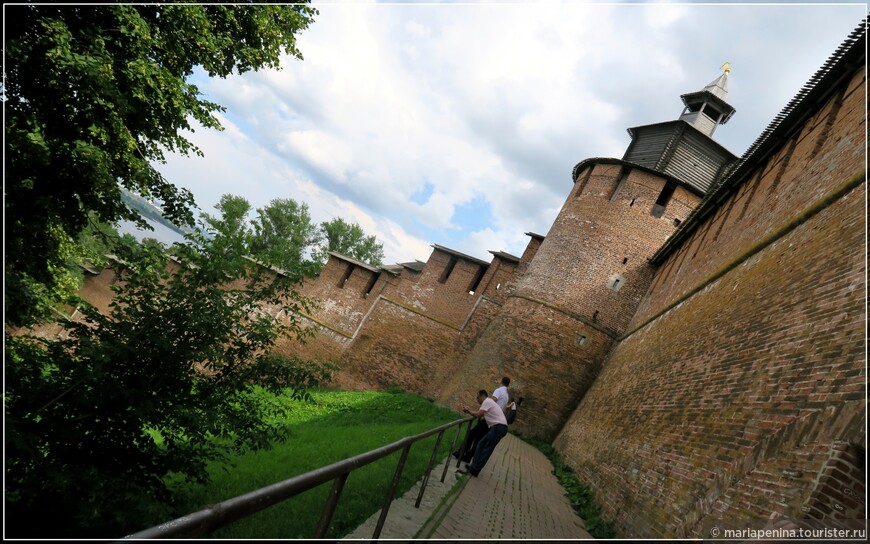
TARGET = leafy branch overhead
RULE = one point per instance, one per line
(94, 95)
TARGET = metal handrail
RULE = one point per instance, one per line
(236, 508)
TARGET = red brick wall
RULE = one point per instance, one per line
(695, 411)
(399, 346)
(592, 236)
(484, 312)
(827, 151)
(563, 295)
(536, 346)
(494, 283)
(448, 300)
(841, 490)
(343, 303)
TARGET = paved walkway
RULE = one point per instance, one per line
(516, 496)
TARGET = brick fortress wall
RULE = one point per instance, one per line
(745, 364)
(577, 295)
(723, 380)
(407, 327)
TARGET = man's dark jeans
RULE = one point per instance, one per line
(485, 448)
(477, 432)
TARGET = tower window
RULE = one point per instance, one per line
(447, 270)
(346, 276)
(623, 174)
(658, 208)
(581, 340)
(615, 282)
(475, 283)
(370, 286)
(712, 112)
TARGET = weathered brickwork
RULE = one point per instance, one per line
(840, 491)
(345, 292)
(400, 346)
(694, 376)
(704, 398)
(441, 294)
(598, 236)
(540, 349)
(576, 295)
(791, 182)
(483, 313)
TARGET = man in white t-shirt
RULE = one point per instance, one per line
(497, 423)
(501, 395)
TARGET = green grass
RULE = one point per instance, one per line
(578, 493)
(335, 426)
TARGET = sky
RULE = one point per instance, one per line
(459, 124)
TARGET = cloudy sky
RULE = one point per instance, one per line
(459, 123)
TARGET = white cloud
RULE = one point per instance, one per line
(403, 116)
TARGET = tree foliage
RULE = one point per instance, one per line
(349, 239)
(162, 384)
(284, 234)
(94, 95)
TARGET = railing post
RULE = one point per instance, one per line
(465, 442)
(429, 469)
(331, 503)
(449, 453)
(391, 491)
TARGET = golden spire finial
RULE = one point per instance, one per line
(726, 67)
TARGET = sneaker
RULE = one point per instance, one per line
(461, 472)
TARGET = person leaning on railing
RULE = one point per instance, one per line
(496, 421)
(501, 396)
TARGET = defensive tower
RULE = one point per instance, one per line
(585, 282)
(685, 148)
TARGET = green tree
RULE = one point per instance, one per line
(163, 384)
(349, 239)
(94, 95)
(284, 234)
(232, 224)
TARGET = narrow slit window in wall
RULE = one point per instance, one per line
(615, 282)
(475, 283)
(346, 276)
(658, 208)
(581, 340)
(582, 183)
(448, 270)
(623, 175)
(371, 285)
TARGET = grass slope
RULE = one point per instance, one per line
(335, 426)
